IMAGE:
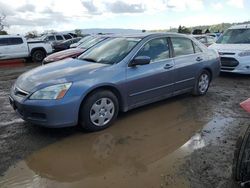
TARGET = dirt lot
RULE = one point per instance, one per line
(181, 142)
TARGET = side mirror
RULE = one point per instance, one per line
(140, 60)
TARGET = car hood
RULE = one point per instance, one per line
(68, 70)
(64, 54)
(230, 47)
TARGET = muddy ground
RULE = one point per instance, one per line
(182, 142)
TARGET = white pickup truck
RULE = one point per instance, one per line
(12, 47)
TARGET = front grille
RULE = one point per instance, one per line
(228, 63)
(20, 92)
(226, 53)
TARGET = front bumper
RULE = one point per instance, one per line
(235, 64)
(47, 113)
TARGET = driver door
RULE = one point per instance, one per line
(151, 82)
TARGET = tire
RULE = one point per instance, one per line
(98, 111)
(38, 56)
(202, 83)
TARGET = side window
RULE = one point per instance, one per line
(210, 39)
(15, 41)
(51, 38)
(67, 37)
(59, 37)
(182, 46)
(197, 48)
(4, 42)
(156, 49)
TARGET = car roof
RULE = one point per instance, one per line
(242, 26)
(150, 34)
(10, 36)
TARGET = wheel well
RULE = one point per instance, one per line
(115, 91)
(210, 72)
(35, 49)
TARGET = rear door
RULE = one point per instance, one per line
(18, 47)
(188, 62)
(3, 47)
(153, 81)
(13, 47)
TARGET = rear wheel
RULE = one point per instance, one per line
(38, 56)
(98, 111)
(202, 83)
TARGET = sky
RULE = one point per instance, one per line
(61, 15)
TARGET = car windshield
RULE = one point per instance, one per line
(91, 42)
(110, 51)
(235, 36)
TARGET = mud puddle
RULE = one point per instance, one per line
(134, 152)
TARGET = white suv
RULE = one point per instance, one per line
(234, 49)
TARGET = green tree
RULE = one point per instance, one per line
(78, 32)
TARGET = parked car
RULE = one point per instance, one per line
(13, 46)
(234, 48)
(64, 45)
(83, 40)
(74, 52)
(119, 74)
(54, 38)
(205, 39)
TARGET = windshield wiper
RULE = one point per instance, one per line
(89, 59)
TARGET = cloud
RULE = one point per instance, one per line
(217, 6)
(6, 10)
(236, 3)
(27, 8)
(122, 7)
(90, 7)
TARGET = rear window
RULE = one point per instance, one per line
(59, 37)
(67, 37)
(11, 41)
(182, 46)
(15, 41)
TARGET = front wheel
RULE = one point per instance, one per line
(202, 83)
(98, 111)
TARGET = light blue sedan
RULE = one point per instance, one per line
(119, 74)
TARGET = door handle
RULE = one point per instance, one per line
(168, 66)
(199, 59)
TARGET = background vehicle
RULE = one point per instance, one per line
(65, 44)
(121, 73)
(205, 39)
(17, 47)
(234, 49)
(83, 40)
(74, 52)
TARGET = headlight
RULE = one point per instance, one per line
(52, 92)
(245, 53)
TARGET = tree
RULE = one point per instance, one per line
(3, 33)
(2, 24)
(78, 32)
(31, 34)
(183, 29)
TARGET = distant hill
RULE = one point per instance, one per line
(213, 28)
(111, 30)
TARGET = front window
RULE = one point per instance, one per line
(110, 51)
(89, 43)
(235, 36)
(156, 49)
